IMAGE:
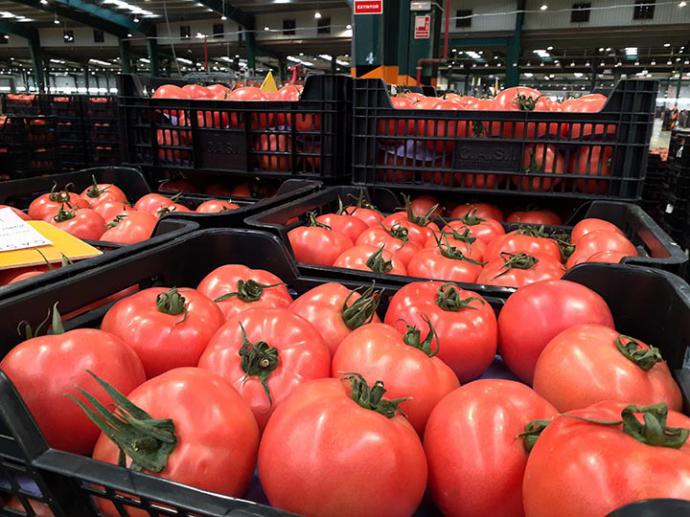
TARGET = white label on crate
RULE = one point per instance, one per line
(669, 208)
(679, 152)
(16, 234)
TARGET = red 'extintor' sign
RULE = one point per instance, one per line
(422, 27)
(368, 6)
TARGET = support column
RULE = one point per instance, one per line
(367, 51)
(152, 50)
(679, 84)
(125, 56)
(251, 48)
(333, 63)
(593, 83)
(514, 50)
(37, 63)
(283, 70)
(86, 78)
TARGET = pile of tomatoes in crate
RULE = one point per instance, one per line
(348, 408)
(473, 246)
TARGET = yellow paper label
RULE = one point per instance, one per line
(269, 84)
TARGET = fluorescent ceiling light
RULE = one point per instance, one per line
(185, 61)
(472, 54)
(630, 51)
(281, 1)
(542, 53)
(326, 57)
(99, 62)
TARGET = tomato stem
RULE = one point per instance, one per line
(413, 337)
(172, 302)
(63, 215)
(397, 231)
(471, 218)
(362, 310)
(532, 432)
(645, 358)
(421, 220)
(361, 201)
(311, 216)
(465, 236)
(95, 190)
(59, 196)
(378, 264)
(516, 261)
(147, 441)
(451, 252)
(118, 219)
(258, 360)
(249, 291)
(533, 231)
(448, 299)
(372, 397)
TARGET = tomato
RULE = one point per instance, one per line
(407, 365)
(167, 138)
(482, 473)
(317, 244)
(329, 438)
(265, 354)
(540, 217)
(109, 210)
(83, 224)
(517, 98)
(590, 225)
(481, 210)
(465, 324)
(274, 152)
(152, 203)
(467, 244)
(524, 240)
(394, 240)
(369, 258)
(426, 206)
(587, 104)
(335, 311)
(170, 91)
(445, 262)
(39, 509)
(485, 230)
(44, 369)
(259, 120)
(537, 313)
(170, 209)
(340, 222)
(167, 328)
(216, 436)
(598, 241)
(213, 206)
(419, 229)
(607, 257)
(397, 126)
(218, 89)
(47, 205)
(196, 91)
(540, 159)
(520, 269)
(443, 128)
(593, 161)
(18, 212)
(607, 466)
(100, 192)
(586, 364)
(236, 288)
(19, 274)
(368, 214)
(130, 228)
(413, 96)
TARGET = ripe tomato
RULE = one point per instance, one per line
(196, 91)
(520, 269)
(593, 161)
(517, 98)
(83, 224)
(172, 208)
(167, 328)
(540, 217)
(368, 214)
(216, 436)
(482, 473)
(540, 159)
(324, 436)
(586, 364)
(170, 91)
(21, 214)
(598, 241)
(348, 225)
(445, 262)
(109, 210)
(426, 206)
(218, 89)
(537, 313)
(274, 152)
(368, 258)
(590, 225)
(419, 229)
(394, 240)
(413, 96)
(45, 369)
(152, 203)
(470, 246)
(335, 311)
(481, 210)
(130, 228)
(407, 365)
(523, 241)
(265, 354)
(398, 127)
(607, 257)
(47, 205)
(485, 230)
(236, 288)
(442, 128)
(214, 206)
(608, 466)
(587, 104)
(18, 274)
(317, 244)
(39, 509)
(259, 119)
(100, 192)
(465, 324)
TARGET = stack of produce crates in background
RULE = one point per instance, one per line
(28, 146)
(653, 193)
(677, 188)
(68, 111)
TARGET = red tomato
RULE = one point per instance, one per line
(236, 288)
(369, 258)
(540, 159)
(274, 152)
(413, 96)
(445, 262)
(335, 311)
(407, 365)
(593, 161)
(39, 509)
(19, 274)
(482, 473)
(419, 229)
(518, 270)
(537, 313)
(130, 228)
(426, 206)
(152, 203)
(196, 91)
(598, 241)
(393, 240)
(83, 224)
(172, 208)
(109, 210)
(213, 206)
(607, 467)
(170, 91)
(265, 354)
(587, 104)
(517, 98)
(218, 89)
(216, 436)
(167, 328)
(316, 244)
(443, 128)
(100, 192)
(369, 215)
(540, 217)
(45, 369)
(470, 246)
(397, 126)
(21, 214)
(465, 324)
(348, 225)
(259, 119)
(586, 364)
(485, 230)
(607, 257)
(326, 437)
(523, 241)
(47, 205)
(590, 225)
(481, 210)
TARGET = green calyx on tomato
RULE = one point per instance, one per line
(397, 231)
(532, 231)
(372, 397)
(465, 236)
(448, 299)
(567, 248)
(361, 201)
(172, 302)
(471, 218)
(258, 360)
(249, 291)
(63, 215)
(378, 264)
(421, 220)
(95, 190)
(311, 216)
(362, 309)
(56, 327)
(59, 196)
(516, 261)
(525, 102)
(451, 252)
(532, 431)
(645, 358)
(149, 442)
(413, 337)
(118, 219)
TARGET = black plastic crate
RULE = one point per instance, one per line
(240, 138)
(477, 151)
(679, 147)
(28, 145)
(660, 251)
(64, 477)
(23, 104)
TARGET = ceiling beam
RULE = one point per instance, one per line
(233, 13)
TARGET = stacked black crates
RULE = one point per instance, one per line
(677, 188)
(653, 192)
(28, 146)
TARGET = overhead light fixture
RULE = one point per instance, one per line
(544, 7)
(185, 61)
(266, 29)
(608, 49)
(135, 20)
(669, 62)
(637, 63)
(129, 34)
(317, 15)
(223, 18)
(56, 21)
(281, 1)
(301, 53)
(587, 63)
(550, 47)
(541, 64)
(653, 63)
(601, 49)
(667, 45)
(541, 53)
(578, 74)
(200, 35)
(682, 4)
(44, 2)
(630, 51)
(348, 27)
